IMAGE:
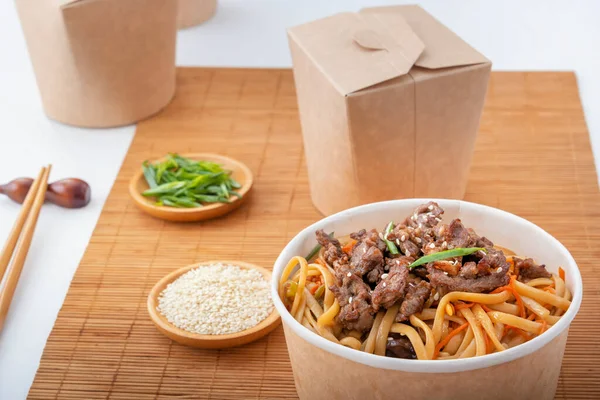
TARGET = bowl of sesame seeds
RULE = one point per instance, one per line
(214, 304)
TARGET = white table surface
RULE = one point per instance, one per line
(515, 35)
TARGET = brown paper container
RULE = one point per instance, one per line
(101, 63)
(326, 370)
(195, 12)
(390, 102)
(319, 374)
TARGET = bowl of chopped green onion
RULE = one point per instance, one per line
(190, 187)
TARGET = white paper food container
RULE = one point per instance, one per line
(323, 369)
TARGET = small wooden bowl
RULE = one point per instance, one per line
(209, 341)
(240, 172)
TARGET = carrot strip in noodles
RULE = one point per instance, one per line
(349, 246)
(461, 305)
(445, 341)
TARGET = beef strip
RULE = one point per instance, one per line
(399, 347)
(416, 296)
(425, 217)
(333, 254)
(469, 270)
(417, 230)
(481, 241)
(458, 236)
(367, 254)
(527, 270)
(372, 236)
(491, 273)
(353, 295)
(391, 288)
(408, 247)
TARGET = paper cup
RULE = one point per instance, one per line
(323, 369)
(195, 12)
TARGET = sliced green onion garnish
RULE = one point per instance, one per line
(442, 255)
(320, 291)
(390, 245)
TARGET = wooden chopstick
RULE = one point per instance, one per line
(13, 237)
(24, 227)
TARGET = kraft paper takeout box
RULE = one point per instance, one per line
(195, 12)
(389, 102)
(101, 63)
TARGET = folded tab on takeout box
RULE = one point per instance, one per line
(389, 101)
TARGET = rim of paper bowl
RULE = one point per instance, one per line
(426, 366)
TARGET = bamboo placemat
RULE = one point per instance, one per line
(532, 158)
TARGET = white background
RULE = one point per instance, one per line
(514, 34)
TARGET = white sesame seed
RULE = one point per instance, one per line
(407, 253)
(390, 339)
(349, 274)
(384, 284)
(418, 240)
(432, 245)
(438, 219)
(398, 242)
(414, 217)
(444, 244)
(384, 276)
(445, 273)
(216, 299)
(436, 296)
(350, 300)
(403, 238)
(499, 270)
(430, 207)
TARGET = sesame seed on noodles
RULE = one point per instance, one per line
(432, 245)
(216, 299)
(349, 274)
(350, 300)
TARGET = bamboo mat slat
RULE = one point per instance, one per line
(533, 158)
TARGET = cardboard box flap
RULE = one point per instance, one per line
(356, 51)
(443, 48)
